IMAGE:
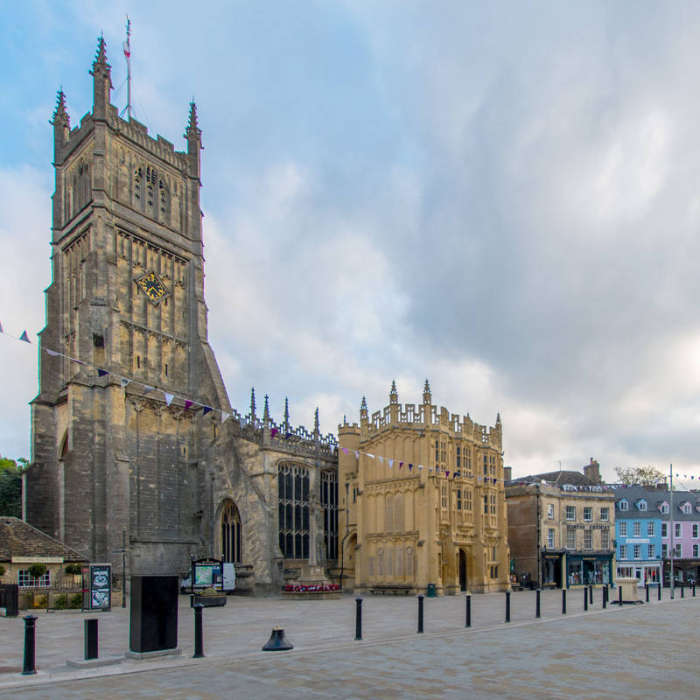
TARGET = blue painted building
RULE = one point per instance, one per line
(638, 518)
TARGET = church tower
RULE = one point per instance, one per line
(120, 437)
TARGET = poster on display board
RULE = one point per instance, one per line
(97, 587)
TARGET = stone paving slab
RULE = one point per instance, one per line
(637, 651)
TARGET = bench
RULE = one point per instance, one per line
(391, 589)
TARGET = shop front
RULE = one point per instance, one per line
(586, 569)
(646, 572)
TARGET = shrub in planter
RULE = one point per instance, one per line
(61, 602)
(76, 601)
(37, 570)
(73, 569)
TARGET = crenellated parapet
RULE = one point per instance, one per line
(427, 415)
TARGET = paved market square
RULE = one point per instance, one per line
(648, 650)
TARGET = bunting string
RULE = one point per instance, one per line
(188, 404)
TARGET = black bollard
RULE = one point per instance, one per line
(590, 593)
(420, 614)
(646, 593)
(619, 590)
(358, 618)
(29, 645)
(659, 591)
(605, 596)
(507, 606)
(198, 634)
(563, 601)
(585, 599)
(693, 589)
(682, 590)
(469, 610)
(91, 644)
(537, 603)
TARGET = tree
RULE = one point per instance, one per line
(640, 476)
(11, 486)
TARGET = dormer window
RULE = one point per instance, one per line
(623, 504)
(642, 505)
(686, 508)
(663, 508)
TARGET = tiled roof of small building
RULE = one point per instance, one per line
(20, 539)
(557, 478)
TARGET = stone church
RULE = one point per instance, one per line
(134, 438)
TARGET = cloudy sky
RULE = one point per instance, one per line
(501, 197)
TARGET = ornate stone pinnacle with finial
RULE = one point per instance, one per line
(498, 418)
(266, 409)
(252, 402)
(317, 423)
(101, 55)
(363, 408)
(60, 115)
(286, 414)
(393, 393)
(427, 398)
(193, 131)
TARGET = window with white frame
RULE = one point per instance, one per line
(695, 551)
(571, 538)
(604, 538)
(587, 513)
(637, 551)
(678, 551)
(550, 511)
(623, 528)
(623, 505)
(571, 512)
(587, 539)
(650, 528)
(26, 580)
(664, 551)
(651, 551)
(677, 532)
(550, 538)
(637, 528)
(642, 505)
(686, 508)
(664, 507)
(695, 530)
(623, 551)
(664, 529)
(604, 514)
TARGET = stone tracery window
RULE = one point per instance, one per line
(329, 503)
(230, 533)
(293, 510)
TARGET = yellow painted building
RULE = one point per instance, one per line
(421, 501)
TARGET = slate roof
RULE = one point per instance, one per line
(654, 498)
(20, 539)
(557, 478)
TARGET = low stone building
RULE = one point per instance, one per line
(421, 501)
(561, 528)
(22, 547)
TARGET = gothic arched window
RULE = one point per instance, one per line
(230, 533)
(293, 510)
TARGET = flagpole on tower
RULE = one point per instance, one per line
(127, 55)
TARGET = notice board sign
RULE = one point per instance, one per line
(97, 587)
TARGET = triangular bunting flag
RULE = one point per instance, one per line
(410, 467)
(102, 372)
(224, 416)
(188, 404)
(147, 388)
(371, 456)
(168, 398)
(78, 362)
(1, 330)
(357, 455)
(381, 460)
(124, 382)
(391, 463)
(206, 410)
(53, 353)
(25, 337)
(345, 450)
(420, 467)
(447, 473)
(400, 465)
(273, 432)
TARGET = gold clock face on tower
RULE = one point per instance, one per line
(152, 286)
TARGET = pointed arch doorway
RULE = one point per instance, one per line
(462, 569)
